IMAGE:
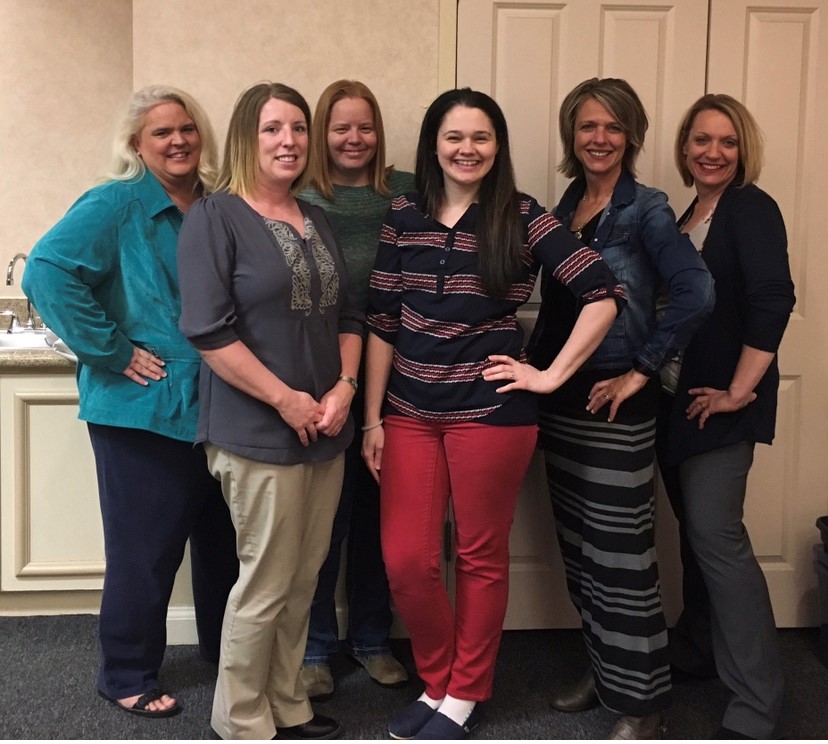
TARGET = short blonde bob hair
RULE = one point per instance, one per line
(319, 172)
(748, 134)
(127, 164)
(240, 167)
(621, 101)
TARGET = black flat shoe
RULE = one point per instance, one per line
(441, 727)
(408, 722)
(319, 727)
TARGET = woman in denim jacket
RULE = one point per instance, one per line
(598, 429)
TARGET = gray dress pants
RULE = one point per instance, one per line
(745, 645)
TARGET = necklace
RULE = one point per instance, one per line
(578, 231)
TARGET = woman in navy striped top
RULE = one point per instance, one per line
(450, 407)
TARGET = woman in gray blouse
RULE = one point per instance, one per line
(264, 301)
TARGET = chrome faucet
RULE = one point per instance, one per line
(12, 264)
(28, 324)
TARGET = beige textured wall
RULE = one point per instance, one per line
(229, 46)
(68, 66)
(65, 69)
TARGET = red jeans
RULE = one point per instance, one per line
(480, 467)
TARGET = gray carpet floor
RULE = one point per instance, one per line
(47, 690)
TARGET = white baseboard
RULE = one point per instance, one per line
(181, 626)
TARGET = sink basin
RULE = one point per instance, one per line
(23, 340)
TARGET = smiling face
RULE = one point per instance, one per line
(170, 145)
(352, 141)
(712, 151)
(466, 147)
(600, 142)
(283, 143)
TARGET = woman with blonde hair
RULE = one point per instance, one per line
(265, 301)
(105, 280)
(722, 402)
(348, 178)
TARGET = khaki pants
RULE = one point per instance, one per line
(283, 516)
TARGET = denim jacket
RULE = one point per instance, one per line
(638, 238)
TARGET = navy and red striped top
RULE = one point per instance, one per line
(427, 299)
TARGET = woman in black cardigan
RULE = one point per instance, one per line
(724, 401)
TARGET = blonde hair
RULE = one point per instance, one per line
(621, 101)
(748, 134)
(240, 167)
(318, 174)
(126, 163)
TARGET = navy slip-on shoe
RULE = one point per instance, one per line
(442, 727)
(408, 722)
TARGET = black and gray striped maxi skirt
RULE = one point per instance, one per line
(600, 479)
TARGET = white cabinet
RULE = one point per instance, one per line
(51, 538)
(51, 535)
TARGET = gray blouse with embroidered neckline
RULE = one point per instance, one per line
(250, 279)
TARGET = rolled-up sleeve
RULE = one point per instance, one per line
(580, 269)
(691, 292)
(206, 258)
(385, 291)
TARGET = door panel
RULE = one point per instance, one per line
(773, 56)
(530, 54)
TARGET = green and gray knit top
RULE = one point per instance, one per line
(356, 214)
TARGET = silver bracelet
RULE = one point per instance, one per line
(350, 380)
(372, 426)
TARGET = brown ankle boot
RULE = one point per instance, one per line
(581, 696)
(639, 727)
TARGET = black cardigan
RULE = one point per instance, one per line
(746, 252)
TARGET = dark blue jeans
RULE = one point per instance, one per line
(366, 584)
(155, 493)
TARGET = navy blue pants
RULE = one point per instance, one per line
(366, 583)
(155, 493)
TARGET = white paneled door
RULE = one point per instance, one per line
(772, 55)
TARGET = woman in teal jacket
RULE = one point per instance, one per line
(105, 280)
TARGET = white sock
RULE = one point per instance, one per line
(457, 710)
(430, 702)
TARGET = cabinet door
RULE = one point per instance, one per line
(773, 56)
(51, 526)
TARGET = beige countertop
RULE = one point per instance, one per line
(20, 361)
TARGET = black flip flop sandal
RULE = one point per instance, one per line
(139, 708)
